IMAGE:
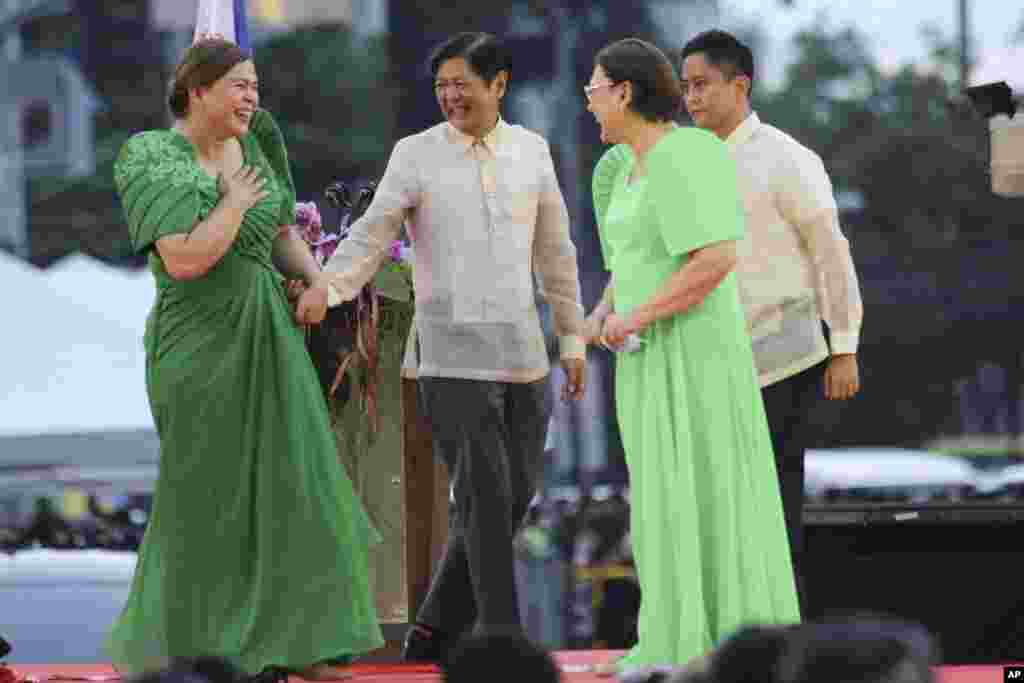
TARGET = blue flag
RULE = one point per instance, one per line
(241, 25)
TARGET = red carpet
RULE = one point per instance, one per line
(403, 673)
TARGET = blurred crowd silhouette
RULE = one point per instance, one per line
(116, 526)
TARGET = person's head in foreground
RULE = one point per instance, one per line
(859, 650)
(855, 650)
(500, 657)
(194, 670)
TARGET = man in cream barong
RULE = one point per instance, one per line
(483, 209)
(795, 270)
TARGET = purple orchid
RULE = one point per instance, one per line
(302, 215)
(307, 218)
(324, 247)
(399, 252)
(307, 215)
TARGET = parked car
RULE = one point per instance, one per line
(887, 475)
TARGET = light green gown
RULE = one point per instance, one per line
(256, 549)
(707, 528)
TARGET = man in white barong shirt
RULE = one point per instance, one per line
(794, 268)
(483, 209)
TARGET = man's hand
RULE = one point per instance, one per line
(842, 377)
(592, 325)
(311, 307)
(575, 378)
(295, 288)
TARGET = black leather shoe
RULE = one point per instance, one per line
(423, 644)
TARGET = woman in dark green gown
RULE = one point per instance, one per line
(256, 549)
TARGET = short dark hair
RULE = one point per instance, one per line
(751, 653)
(212, 669)
(724, 50)
(859, 650)
(485, 54)
(204, 64)
(203, 669)
(477, 658)
(657, 95)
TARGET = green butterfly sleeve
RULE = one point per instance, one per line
(158, 185)
(694, 191)
(607, 172)
(268, 135)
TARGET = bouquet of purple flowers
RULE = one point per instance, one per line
(345, 345)
(323, 243)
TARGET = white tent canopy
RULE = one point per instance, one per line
(71, 356)
(114, 294)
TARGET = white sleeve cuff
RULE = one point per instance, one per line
(572, 346)
(333, 298)
(843, 342)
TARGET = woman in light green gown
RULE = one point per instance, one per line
(708, 536)
(256, 549)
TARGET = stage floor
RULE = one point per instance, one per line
(574, 664)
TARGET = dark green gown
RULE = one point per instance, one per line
(256, 549)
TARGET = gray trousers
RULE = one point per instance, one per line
(491, 436)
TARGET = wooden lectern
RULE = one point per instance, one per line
(403, 489)
(425, 500)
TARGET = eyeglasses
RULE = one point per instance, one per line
(459, 87)
(587, 89)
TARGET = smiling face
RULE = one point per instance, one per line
(467, 101)
(715, 100)
(229, 103)
(605, 100)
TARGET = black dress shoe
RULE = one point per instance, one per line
(424, 644)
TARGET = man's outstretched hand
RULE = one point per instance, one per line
(575, 378)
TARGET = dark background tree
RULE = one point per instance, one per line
(335, 99)
(933, 245)
(332, 94)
